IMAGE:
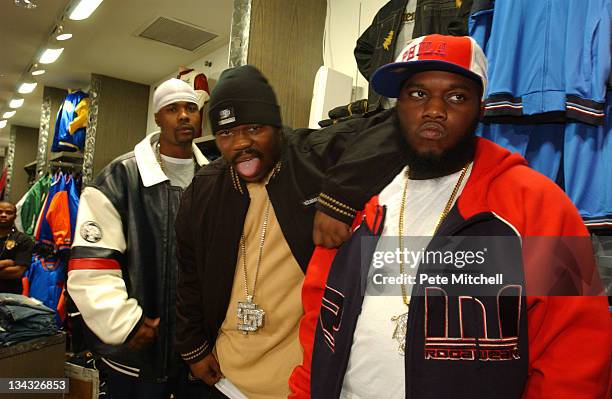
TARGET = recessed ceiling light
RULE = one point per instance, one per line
(50, 55)
(16, 103)
(3, 124)
(9, 114)
(27, 88)
(84, 9)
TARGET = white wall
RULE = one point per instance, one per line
(220, 61)
(346, 21)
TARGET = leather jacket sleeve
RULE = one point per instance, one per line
(364, 51)
(95, 278)
(373, 158)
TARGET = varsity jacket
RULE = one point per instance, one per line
(122, 266)
(211, 219)
(559, 72)
(521, 346)
(376, 45)
(71, 123)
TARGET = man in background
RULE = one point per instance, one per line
(16, 252)
(122, 272)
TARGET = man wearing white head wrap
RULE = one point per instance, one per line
(122, 270)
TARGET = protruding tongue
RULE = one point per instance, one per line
(248, 168)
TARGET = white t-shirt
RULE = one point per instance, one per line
(180, 171)
(376, 365)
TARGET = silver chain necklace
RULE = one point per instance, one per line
(158, 156)
(250, 315)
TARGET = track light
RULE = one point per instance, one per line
(9, 114)
(36, 70)
(3, 124)
(61, 34)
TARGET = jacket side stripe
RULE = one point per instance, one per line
(93, 264)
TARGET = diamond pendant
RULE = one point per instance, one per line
(399, 333)
(250, 316)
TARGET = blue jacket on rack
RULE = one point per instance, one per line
(71, 123)
(545, 57)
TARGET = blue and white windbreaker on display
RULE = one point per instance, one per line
(547, 57)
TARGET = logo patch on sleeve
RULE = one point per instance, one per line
(91, 232)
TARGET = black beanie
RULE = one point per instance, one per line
(242, 96)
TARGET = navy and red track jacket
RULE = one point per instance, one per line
(562, 346)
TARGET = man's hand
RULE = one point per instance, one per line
(207, 370)
(145, 335)
(329, 232)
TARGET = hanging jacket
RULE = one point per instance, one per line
(55, 227)
(71, 123)
(549, 60)
(30, 205)
(376, 45)
(529, 346)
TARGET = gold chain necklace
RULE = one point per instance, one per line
(401, 321)
(251, 316)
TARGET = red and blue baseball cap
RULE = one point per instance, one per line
(459, 54)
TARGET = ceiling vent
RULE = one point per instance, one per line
(176, 33)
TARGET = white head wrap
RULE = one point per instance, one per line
(172, 91)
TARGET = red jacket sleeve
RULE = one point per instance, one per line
(312, 293)
(570, 337)
(570, 347)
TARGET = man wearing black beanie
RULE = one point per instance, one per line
(244, 237)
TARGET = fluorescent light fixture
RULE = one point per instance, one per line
(84, 9)
(16, 103)
(50, 55)
(27, 88)
(3, 124)
(9, 114)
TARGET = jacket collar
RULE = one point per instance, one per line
(148, 167)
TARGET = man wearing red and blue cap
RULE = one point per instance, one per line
(378, 322)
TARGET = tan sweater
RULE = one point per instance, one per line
(260, 363)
